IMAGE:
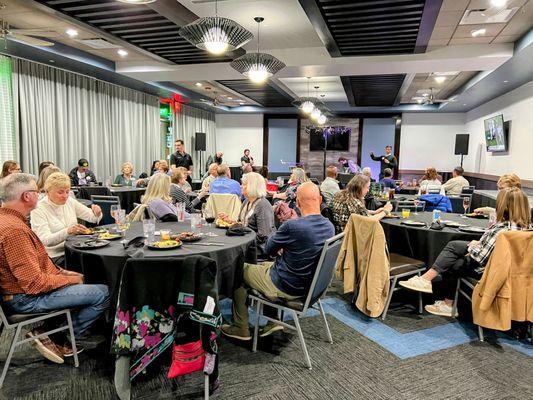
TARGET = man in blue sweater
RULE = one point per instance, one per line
(297, 245)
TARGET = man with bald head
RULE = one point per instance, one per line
(296, 245)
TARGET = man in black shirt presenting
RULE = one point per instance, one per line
(181, 159)
(387, 161)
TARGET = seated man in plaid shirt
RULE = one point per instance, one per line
(461, 257)
(29, 281)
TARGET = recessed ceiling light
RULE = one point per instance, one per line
(440, 79)
(230, 98)
(122, 52)
(198, 84)
(71, 32)
(478, 32)
(505, 81)
(498, 3)
(465, 104)
(51, 61)
(137, 1)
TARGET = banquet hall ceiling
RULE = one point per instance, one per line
(368, 55)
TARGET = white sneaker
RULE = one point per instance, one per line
(417, 283)
(441, 308)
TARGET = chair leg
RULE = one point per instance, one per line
(10, 355)
(301, 337)
(420, 302)
(389, 297)
(206, 387)
(456, 298)
(480, 333)
(258, 308)
(72, 340)
(328, 332)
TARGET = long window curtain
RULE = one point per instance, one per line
(63, 116)
(188, 121)
(8, 142)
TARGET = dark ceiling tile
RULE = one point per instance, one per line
(372, 90)
(266, 94)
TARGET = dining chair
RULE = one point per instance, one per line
(19, 321)
(298, 308)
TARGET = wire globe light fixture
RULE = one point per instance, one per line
(306, 104)
(216, 34)
(257, 67)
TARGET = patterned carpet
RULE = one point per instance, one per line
(353, 367)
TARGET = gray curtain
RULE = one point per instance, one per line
(63, 116)
(189, 121)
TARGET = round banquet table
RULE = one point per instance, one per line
(128, 195)
(105, 265)
(422, 243)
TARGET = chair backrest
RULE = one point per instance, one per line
(433, 190)
(324, 269)
(410, 205)
(468, 190)
(457, 203)
(345, 178)
(105, 203)
(3, 317)
(229, 204)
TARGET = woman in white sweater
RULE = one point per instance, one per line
(56, 216)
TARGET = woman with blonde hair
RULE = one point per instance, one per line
(43, 176)
(156, 200)
(57, 214)
(505, 181)
(10, 167)
(351, 200)
(186, 186)
(126, 178)
(431, 180)
(461, 257)
(256, 211)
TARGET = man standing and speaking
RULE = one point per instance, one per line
(387, 161)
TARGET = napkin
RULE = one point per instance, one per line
(437, 226)
(237, 230)
(134, 247)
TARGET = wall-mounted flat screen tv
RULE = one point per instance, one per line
(495, 135)
(331, 138)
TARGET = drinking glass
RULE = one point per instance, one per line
(113, 212)
(406, 212)
(466, 204)
(122, 224)
(196, 222)
(417, 203)
(165, 234)
(391, 193)
(149, 229)
(180, 209)
(492, 219)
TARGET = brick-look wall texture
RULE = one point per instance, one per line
(313, 160)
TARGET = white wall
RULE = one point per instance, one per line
(236, 132)
(516, 107)
(428, 140)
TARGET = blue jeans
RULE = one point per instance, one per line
(87, 301)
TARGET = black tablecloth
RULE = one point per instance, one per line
(105, 265)
(128, 195)
(422, 243)
(407, 190)
(85, 192)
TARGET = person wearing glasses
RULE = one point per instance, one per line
(29, 280)
(10, 167)
(57, 214)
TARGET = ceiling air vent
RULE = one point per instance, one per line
(486, 16)
(98, 44)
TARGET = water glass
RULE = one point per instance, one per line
(492, 219)
(180, 210)
(149, 229)
(196, 222)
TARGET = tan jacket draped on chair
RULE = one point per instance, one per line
(505, 291)
(363, 264)
(229, 204)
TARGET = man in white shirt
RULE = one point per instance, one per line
(455, 185)
(330, 185)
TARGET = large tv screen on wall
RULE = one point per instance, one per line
(495, 135)
(330, 138)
